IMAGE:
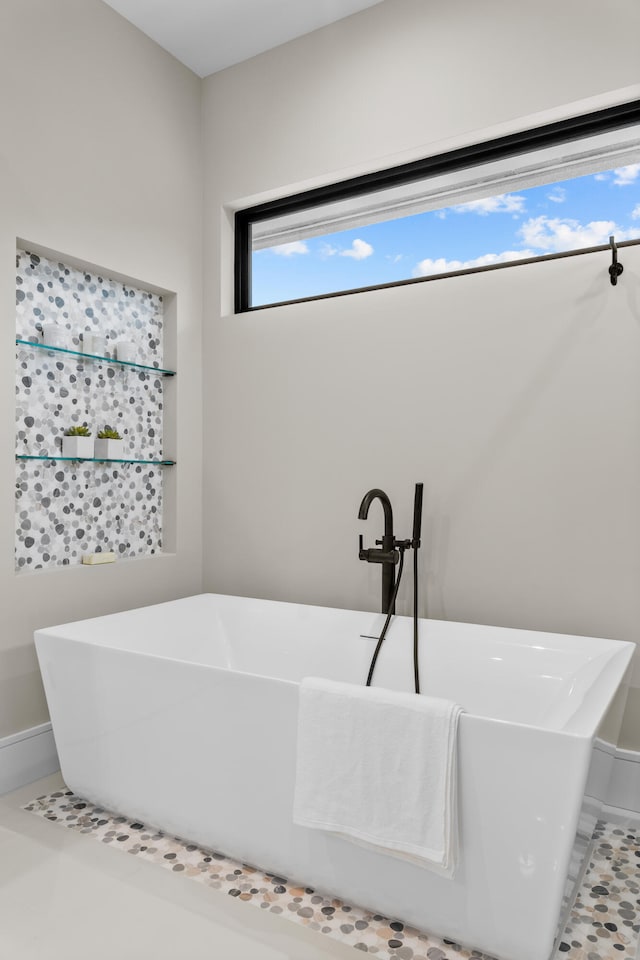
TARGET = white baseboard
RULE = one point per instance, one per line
(27, 756)
(624, 790)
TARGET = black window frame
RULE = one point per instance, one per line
(547, 135)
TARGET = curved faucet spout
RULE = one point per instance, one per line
(367, 500)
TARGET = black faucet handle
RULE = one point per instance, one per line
(362, 553)
(376, 556)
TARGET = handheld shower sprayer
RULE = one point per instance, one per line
(417, 515)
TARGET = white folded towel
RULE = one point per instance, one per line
(379, 768)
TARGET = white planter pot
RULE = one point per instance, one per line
(80, 448)
(109, 449)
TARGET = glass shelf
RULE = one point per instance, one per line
(54, 457)
(92, 356)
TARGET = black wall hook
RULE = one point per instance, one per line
(616, 268)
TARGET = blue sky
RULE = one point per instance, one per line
(581, 212)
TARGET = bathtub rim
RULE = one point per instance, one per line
(626, 651)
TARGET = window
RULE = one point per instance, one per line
(560, 187)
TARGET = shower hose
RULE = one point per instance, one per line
(416, 674)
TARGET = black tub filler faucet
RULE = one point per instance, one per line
(387, 555)
(389, 552)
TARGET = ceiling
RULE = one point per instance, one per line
(209, 35)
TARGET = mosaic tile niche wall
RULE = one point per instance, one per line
(66, 509)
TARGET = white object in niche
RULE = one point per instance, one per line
(108, 449)
(94, 344)
(53, 335)
(126, 351)
(80, 448)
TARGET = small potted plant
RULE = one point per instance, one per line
(109, 445)
(77, 443)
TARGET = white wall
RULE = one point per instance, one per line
(100, 160)
(513, 395)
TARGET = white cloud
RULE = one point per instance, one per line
(359, 250)
(623, 176)
(555, 235)
(504, 203)
(326, 250)
(394, 258)
(635, 213)
(540, 234)
(557, 195)
(426, 267)
(289, 249)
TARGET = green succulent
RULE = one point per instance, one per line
(82, 431)
(108, 434)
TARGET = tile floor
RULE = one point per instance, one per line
(60, 896)
(65, 897)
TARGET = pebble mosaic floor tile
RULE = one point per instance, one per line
(604, 923)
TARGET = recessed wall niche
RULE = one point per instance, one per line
(67, 508)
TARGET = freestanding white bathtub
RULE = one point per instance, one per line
(183, 715)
